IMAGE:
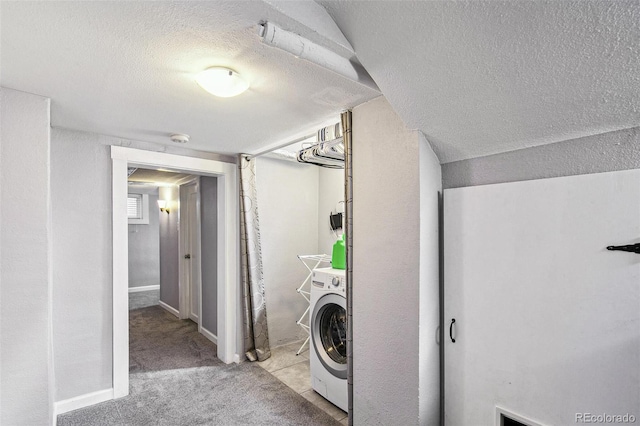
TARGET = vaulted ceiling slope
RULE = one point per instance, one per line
(484, 77)
(127, 69)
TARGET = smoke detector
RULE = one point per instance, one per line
(179, 138)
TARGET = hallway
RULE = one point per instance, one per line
(176, 379)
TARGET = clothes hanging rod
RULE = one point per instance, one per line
(300, 139)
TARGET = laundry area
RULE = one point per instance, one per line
(300, 197)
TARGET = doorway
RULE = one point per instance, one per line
(164, 212)
(227, 272)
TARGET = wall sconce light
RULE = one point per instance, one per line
(163, 206)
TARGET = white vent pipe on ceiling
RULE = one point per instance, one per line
(282, 154)
(302, 48)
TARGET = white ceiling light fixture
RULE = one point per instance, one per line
(302, 48)
(222, 82)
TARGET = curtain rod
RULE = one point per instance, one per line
(300, 139)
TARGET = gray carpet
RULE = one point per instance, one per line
(142, 299)
(176, 380)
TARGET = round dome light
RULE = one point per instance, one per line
(222, 82)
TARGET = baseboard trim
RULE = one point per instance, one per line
(81, 401)
(144, 288)
(171, 309)
(209, 335)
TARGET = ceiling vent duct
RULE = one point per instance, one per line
(305, 49)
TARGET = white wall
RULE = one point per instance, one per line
(288, 208)
(395, 261)
(26, 370)
(330, 192)
(169, 247)
(82, 292)
(144, 245)
(82, 287)
(547, 320)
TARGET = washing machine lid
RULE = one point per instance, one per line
(329, 333)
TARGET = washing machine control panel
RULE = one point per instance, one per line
(337, 283)
(329, 282)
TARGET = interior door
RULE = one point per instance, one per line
(195, 271)
(192, 250)
(547, 320)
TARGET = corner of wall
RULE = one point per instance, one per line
(429, 374)
(169, 248)
(25, 204)
(386, 206)
(51, 355)
(429, 149)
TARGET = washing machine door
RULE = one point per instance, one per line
(329, 333)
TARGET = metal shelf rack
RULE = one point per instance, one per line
(311, 262)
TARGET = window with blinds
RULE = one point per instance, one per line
(134, 206)
(138, 209)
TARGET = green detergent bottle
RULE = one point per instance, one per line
(339, 255)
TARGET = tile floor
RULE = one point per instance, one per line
(293, 370)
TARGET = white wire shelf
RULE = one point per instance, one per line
(311, 262)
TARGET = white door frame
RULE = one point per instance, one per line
(228, 259)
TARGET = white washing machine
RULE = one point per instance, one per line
(328, 329)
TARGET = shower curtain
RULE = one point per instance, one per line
(256, 336)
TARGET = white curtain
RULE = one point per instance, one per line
(256, 336)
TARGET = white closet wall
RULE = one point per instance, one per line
(288, 208)
(294, 202)
(330, 193)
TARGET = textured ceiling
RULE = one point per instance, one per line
(477, 77)
(483, 77)
(126, 69)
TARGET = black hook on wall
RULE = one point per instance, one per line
(633, 248)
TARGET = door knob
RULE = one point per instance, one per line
(187, 256)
